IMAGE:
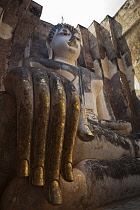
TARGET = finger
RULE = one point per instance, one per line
(115, 125)
(84, 133)
(19, 83)
(55, 137)
(72, 119)
(40, 124)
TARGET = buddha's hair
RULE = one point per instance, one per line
(59, 26)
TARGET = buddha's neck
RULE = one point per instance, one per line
(65, 60)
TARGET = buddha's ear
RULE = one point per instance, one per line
(50, 52)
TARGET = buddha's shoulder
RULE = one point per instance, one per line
(40, 62)
(88, 73)
(46, 63)
(55, 65)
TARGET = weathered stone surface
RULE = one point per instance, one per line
(18, 19)
(96, 183)
(111, 75)
(127, 204)
(23, 33)
(7, 140)
(105, 179)
(128, 15)
(87, 59)
(38, 46)
(127, 25)
(124, 62)
(94, 50)
(11, 12)
(124, 32)
(133, 43)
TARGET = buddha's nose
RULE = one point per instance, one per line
(73, 38)
(73, 41)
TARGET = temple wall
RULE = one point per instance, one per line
(38, 40)
(116, 41)
(127, 22)
(18, 19)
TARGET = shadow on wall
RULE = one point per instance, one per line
(128, 76)
(112, 60)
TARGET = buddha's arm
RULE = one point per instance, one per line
(120, 127)
(102, 108)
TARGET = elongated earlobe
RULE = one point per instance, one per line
(50, 52)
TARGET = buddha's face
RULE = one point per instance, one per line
(66, 45)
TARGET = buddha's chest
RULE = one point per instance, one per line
(87, 87)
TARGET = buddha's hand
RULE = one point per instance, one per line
(48, 118)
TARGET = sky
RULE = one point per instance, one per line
(76, 12)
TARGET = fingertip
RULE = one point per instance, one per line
(85, 134)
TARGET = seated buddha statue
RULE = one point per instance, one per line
(62, 120)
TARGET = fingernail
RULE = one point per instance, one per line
(55, 193)
(38, 176)
(89, 134)
(68, 174)
(23, 168)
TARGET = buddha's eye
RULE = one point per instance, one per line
(64, 32)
